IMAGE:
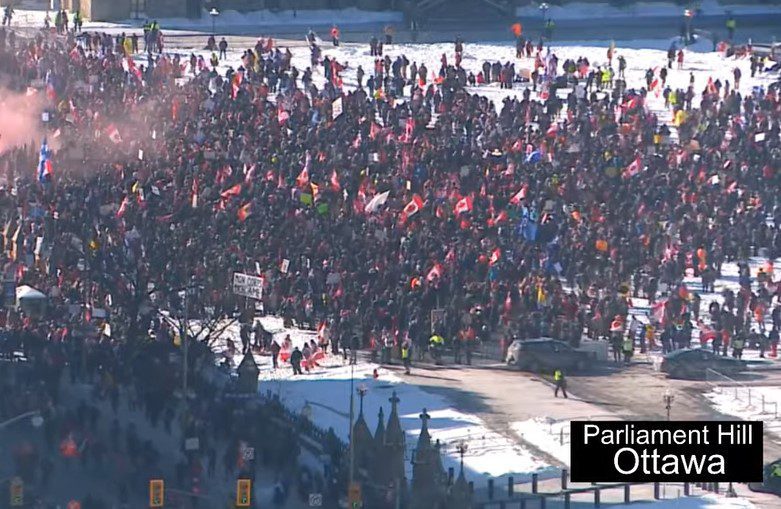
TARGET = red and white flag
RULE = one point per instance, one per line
(520, 195)
(633, 168)
(463, 205)
(113, 134)
(434, 273)
(496, 255)
(244, 212)
(231, 191)
(412, 208)
(335, 185)
(122, 207)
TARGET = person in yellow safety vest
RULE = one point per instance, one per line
(730, 24)
(775, 470)
(628, 348)
(605, 78)
(737, 346)
(561, 383)
(406, 359)
(436, 345)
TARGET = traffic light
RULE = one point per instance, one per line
(156, 492)
(354, 496)
(243, 493)
(17, 492)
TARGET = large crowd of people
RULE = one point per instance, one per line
(382, 213)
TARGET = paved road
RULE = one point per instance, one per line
(501, 396)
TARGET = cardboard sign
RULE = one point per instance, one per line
(283, 268)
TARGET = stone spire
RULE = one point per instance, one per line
(428, 487)
(379, 433)
(394, 445)
(363, 442)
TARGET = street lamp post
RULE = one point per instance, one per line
(668, 398)
(544, 8)
(688, 14)
(461, 448)
(214, 13)
(36, 419)
(352, 412)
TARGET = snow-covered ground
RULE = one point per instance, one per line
(325, 391)
(756, 403)
(599, 10)
(703, 502)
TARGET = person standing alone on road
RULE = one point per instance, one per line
(561, 383)
(406, 359)
(295, 361)
(223, 49)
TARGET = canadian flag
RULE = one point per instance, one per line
(633, 168)
(501, 217)
(282, 116)
(113, 134)
(236, 84)
(244, 212)
(335, 185)
(520, 195)
(434, 273)
(303, 177)
(374, 130)
(231, 191)
(194, 198)
(412, 208)
(463, 205)
(122, 207)
(496, 254)
(553, 130)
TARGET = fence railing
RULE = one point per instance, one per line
(742, 392)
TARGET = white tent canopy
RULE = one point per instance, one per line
(24, 292)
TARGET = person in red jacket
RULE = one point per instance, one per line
(335, 35)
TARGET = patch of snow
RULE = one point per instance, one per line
(599, 10)
(754, 403)
(548, 435)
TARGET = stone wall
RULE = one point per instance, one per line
(166, 8)
(105, 10)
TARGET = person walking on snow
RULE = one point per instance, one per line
(223, 49)
(561, 383)
(295, 361)
(406, 357)
(335, 35)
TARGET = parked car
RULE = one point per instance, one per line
(546, 355)
(695, 362)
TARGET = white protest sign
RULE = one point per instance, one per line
(247, 286)
(337, 108)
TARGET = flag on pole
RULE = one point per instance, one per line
(45, 172)
(244, 212)
(495, 256)
(335, 185)
(520, 195)
(434, 273)
(113, 134)
(633, 168)
(463, 205)
(412, 208)
(377, 201)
